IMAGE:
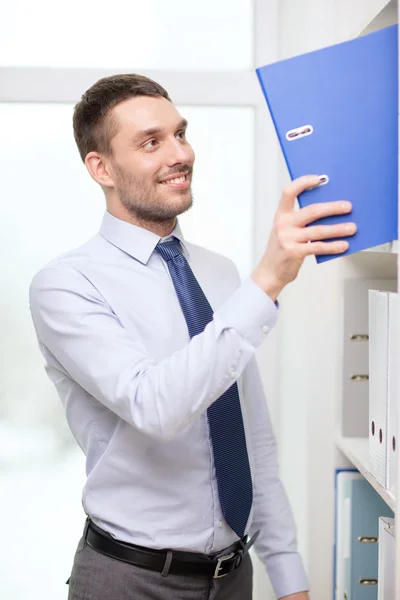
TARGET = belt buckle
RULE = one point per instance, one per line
(219, 563)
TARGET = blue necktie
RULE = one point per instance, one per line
(224, 415)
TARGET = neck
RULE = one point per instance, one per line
(162, 229)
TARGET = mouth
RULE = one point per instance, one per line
(177, 182)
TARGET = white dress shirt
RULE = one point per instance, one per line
(136, 388)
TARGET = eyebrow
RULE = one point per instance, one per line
(151, 131)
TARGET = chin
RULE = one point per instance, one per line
(185, 206)
(179, 204)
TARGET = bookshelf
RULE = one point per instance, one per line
(310, 418)
(356, 452)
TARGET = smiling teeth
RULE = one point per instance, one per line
(177, 179)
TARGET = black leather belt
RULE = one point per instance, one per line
(169, 561)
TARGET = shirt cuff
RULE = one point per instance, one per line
(250, 311)
(287, 574)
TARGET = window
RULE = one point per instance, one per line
(53, 205)
(50, 204)
(211, 34)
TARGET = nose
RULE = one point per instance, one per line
(178, 152)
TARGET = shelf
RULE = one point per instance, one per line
(356, 451)
(389, 248)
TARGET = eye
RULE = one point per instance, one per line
(181, 134)
(150, 144)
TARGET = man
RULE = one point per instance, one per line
(150, 342)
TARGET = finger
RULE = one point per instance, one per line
(295, 188)
(311, 213)
(324, 232)
(317, 248)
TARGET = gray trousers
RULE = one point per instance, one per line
(97, 577)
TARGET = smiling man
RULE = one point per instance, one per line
(150, 342)
(151, 183)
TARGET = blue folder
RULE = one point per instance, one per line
(361, 563)
(341, 476)
(344, 98)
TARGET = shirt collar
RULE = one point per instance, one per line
(135, 241)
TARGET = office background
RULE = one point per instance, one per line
(205, 54)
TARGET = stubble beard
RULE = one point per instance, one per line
(150, 205)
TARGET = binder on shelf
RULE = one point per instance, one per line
(341, 534)
(393, 392)
(355, 360)
(335, 114)
(386, 560)
(363, 507)
(378, 380)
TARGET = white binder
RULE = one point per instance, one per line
(393, 391)
(386, 562)
(355, 367)
(378, 380)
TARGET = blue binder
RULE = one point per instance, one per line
(361, 562)
(335, 114)
(341, 477)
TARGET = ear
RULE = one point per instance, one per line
(98, 168)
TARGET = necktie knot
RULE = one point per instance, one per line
(169, 250)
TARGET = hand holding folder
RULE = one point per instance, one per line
(335, 114)
(292, 239)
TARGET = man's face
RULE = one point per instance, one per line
(152, 162)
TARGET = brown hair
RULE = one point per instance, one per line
(93, 122)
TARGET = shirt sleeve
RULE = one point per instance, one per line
(78, 327)
(276, 545)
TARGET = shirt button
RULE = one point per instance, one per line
(220, 524)
(265, 328)
(232, 373)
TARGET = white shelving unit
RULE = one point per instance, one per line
(357, 453)
(356, 450)
(390, 248)
(310, 379)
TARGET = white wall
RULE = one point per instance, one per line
(266, 27)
